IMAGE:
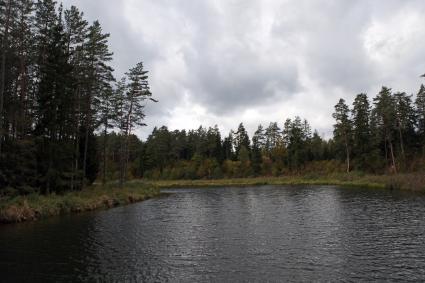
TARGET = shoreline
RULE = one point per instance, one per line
(243, 182)
(405, 182)
(34, 207)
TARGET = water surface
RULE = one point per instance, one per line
(269, 233)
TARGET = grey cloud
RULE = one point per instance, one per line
(232, 55)
(240, 83)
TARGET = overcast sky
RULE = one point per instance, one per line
(229, 61)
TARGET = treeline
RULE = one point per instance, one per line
(387, 135)
(205, 153)
(57, 90)
(382, 135)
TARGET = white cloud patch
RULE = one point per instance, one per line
(394, 40)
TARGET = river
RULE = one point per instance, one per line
(268, 233)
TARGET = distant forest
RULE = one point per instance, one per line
(65, 121)
(386, 135)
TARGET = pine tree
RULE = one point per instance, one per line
(98, 77)
(385, 115)
(213, 140)
(21, 57)
(228, 151)
(420, 112)
(362, 136)
(105, 117)
(52, 109)
(317, 147)
(136, 96)
(258, 141)
(343, 128)
(76, 33)
(405, 121)
(6, 20)
(241, 140)
(272, 137)
(296, 138)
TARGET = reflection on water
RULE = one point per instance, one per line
(231, 234)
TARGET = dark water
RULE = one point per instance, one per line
(228, 234)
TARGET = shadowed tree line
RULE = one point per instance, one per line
(57, 90)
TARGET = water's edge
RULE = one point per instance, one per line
(24, 209)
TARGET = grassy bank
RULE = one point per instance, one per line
(32, 207)
(414, 182)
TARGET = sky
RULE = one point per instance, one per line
(222, 62)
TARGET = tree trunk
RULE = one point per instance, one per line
(3, 69)
(127, 153)
(401, 143)
(76, 138)
(127, 133)
(392, 157)
(86, 145)
(121, 161)
(22, 127)
(105, 133)
(386, 150)
(347, 150)
(77, 110)
(86, 141)
(125, 159)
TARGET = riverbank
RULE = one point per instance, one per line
(35, 206)
(413, 182)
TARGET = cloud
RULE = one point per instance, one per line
(229, 61)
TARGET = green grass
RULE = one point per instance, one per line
(35, 206)
(400, 182)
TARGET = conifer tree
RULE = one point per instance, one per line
(76, 33)
(405, 121)
(241, 140)
(272, 137)
(385, 115)
(6, 22)
(98, 76)
(258, 141)
(228, 151)
(343, 128)
(420, 114)
(362, 135)
(136, 96)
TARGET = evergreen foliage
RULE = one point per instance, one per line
(57, 92)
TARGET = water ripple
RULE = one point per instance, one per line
(229, 234)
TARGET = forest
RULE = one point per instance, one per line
(57, 92)
(383, 136)
(66, 121)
